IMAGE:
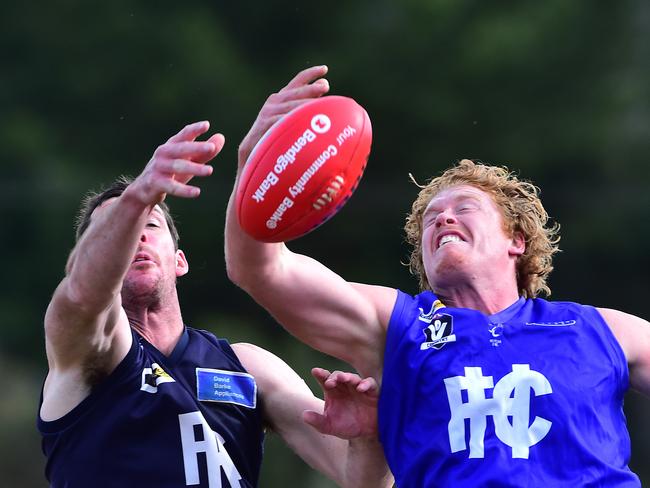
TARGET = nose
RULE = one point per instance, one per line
(143, 237)
(445, 218)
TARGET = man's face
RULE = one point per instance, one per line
(463, 237)
(156, 263)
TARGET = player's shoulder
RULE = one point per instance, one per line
(256, 358)
(542, 304)
(269, 370)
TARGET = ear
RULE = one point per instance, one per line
(182, 266)
(518, 245)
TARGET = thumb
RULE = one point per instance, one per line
(316, 420)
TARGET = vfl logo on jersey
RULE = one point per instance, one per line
(439, 332)
(154, 376)
(428, 317)
(509, 407)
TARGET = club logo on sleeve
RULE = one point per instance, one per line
(154, 376)
(439, 332)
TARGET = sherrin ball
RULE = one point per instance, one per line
(304, 169)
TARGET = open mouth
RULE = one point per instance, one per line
(142, 258)
(447, 238)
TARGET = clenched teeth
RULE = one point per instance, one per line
(449, 238)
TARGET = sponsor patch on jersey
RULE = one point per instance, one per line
(439, 332)
(217, 385)
(154, 376)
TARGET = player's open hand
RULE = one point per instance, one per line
(350, 405)
(305, 86)
(175, 163)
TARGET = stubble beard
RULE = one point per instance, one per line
(141, 294)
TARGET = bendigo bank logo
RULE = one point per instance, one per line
(439, 332)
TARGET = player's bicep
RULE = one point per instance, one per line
(285, 396)
(633, 335)
(73, 332)
(322, 309)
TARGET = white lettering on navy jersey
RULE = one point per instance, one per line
(519, 435)
(212, 445)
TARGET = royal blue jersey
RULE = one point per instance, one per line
(529, 397)
(190, 419)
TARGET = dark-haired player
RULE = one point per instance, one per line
(134, 398)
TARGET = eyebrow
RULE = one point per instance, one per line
(158, 211)
(456, 199)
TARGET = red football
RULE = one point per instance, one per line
(304, 169)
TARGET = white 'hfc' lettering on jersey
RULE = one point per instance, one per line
(510, 398)
(212, 445)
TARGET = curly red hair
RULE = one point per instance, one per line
(522, 212)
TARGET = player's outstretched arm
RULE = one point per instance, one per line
(84, 322)
(350, 412)
(337, 437)
(312, 302)
(633, 335)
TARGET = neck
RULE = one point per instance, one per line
(161, 323)
(488, 298)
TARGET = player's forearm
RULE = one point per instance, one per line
(366, 465)
(247, 260)
(101, 259)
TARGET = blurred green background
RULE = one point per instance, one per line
(557, 90)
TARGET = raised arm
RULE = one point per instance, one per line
(633, 334)
(315, 304)
(343, 442)
(86, 329)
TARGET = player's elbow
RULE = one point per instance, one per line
(235, 273)
(252, 267)
(81, 300)
(242, 274)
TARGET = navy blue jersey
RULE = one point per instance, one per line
(530, 396)
(190, 419)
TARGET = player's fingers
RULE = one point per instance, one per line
(307, 76)
(178, 189)
(217, 140)
(368, 385)
(186, 149)
(312, 90)
(191, 131)
(338, 378)
(187, 167)
(302, 93)
(320, 374)
(282, 108)
(316, 420)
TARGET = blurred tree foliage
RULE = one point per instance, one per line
(557, 90)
